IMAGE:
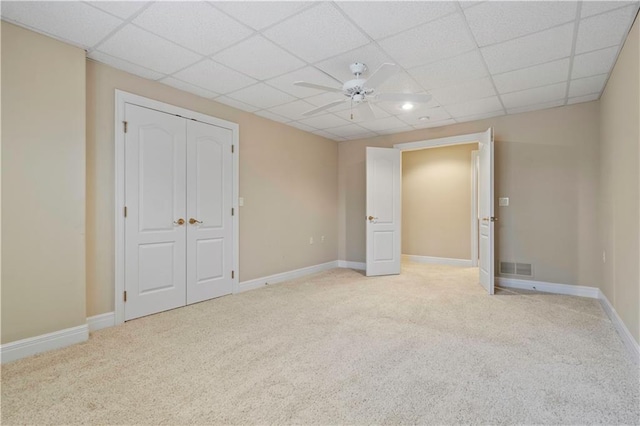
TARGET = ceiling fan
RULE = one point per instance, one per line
(362, 92)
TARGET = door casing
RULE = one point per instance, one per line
(122, 98)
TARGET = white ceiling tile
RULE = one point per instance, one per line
(293, 110)
(273, 117)
(74, 22)
(317, 33)
(395, 108)
(430, 124)
(357, 115)
(587, 86)
(450, 71)
(324, 121)
(536, 107)
(498, 21)
(308, 74)
(258, 58)
(370, 55)
(587, 98)
(467, 91)
(374, 17)
(215, 77)
(188, 87)
(383, 124)
(535, 96)
(590, 8)
(400, 82)
(477, 117)
(328, 135)
(146, 49)
(604, 30)
(479, 106)
(301, 126)
(124, 65)
(430, 42)
(405, 128)
(261, 95)
(529, 50)
(593, 63)
(121, 9)
(350, 130)
(536, 76)
(195, 25)
(236, 104)
(260, 14)
(430, 115)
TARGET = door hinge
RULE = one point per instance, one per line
(125, 211)
(125, 126)
(232, 211)
(233, 274)
(124, 297)
(232, 149)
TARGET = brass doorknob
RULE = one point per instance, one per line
(179, 221)
(193, 221)
(371, 218)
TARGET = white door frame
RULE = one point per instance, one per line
(122, 98)
(450, 141)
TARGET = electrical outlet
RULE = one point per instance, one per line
(310, 240)
(322, 239)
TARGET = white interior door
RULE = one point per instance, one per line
(155, 191)
(383, 211)
(485, 207)
(209, 212)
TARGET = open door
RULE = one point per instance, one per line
(383, 211)
(485, 207)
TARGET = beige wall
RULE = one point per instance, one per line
(436, 201)
(620, 184)
(288, 179)
(545, 161)
(43, 184)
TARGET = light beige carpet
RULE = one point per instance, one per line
(428, 346)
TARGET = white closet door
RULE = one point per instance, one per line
(209, 216)
(155, 191)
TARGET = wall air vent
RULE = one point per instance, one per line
(513, 268)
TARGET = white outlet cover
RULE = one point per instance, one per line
(241, 201)
(503, 201)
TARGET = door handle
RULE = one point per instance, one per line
(492, 219)
(371, 218)
(193, 221)
(179, 221)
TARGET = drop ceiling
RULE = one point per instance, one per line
(477, 59)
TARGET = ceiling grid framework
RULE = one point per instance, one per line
(476, 59)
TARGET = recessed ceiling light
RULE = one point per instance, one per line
(407, 106)
(423, 118)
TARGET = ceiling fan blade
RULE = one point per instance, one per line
(317, 86)
(323, 107)
(366, 111)
(330, 76)
(417, 98)
(381, 74)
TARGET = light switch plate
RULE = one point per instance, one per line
(241, 201)
(503, 201)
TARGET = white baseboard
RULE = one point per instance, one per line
(438, 260)
(571, 290)
(98, 322)
(285, 276)
(45, 342)
(628, 340)
(360, 266)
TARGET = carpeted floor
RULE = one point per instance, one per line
(428, 346)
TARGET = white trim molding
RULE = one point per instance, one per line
(285, 276)
(438, 260)
(98, 322)
(359, 266)
(628, 340)
(46, 342)
(571, 290)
